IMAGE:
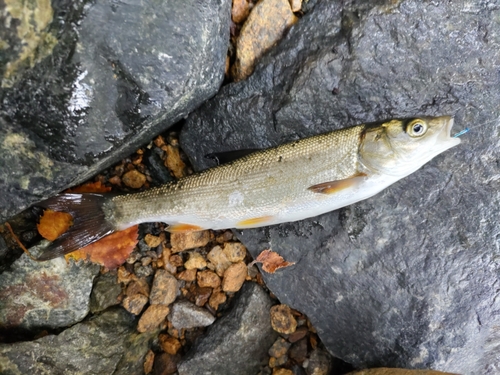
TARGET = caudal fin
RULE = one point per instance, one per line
(89, 224)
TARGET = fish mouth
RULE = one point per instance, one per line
(446, 136)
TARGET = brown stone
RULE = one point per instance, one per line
(224, 237)
(208, 279)
(169, 344)
(152, 318)
(166, 364)
(298, 351)
(124, 276)
(263, 28)
(234, 277)
(240, 10)
(139, 286)
(202, 296)
(134, 304)
(195, 261)
(134, 179)
(176, 260)
(276, 362)
(398, 371)
(235, 251)
(300, 333)
(216, 299)
(148, 361)
(189, 240)
(217, 257)
(152, 241)
(188, 275)
(282, 319)
(165, 288)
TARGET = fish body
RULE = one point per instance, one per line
(286, 183)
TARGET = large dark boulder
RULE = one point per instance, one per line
(85, 83)
(409, 277)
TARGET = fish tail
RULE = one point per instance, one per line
(90, 223)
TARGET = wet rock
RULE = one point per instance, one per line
(152, 318)
(41, 295)
(282, 319)
(187, 315)
(189, 240)
(90, 111)
(396, 371)
(165, 288)
(96, 346)
(298, 351)
(234, 277)
(232, 338)
(298, 334)
(105, 293)
(208, 279)
(402, 279)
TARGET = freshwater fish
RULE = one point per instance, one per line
(290, 182)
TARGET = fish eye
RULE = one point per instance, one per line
(416, 128)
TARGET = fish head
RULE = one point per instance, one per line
(400, 147)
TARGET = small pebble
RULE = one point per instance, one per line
(166, 364)
(152, 241)
(188, 275)
(148, 361)
(276, 362)
(196, 260)
(142, 271)
(165, 288)
(139, 286)
(234, 277)
(202, 296)
(216, 299)
(146, 261)
(298, 334)
(240, 10)
(217, 257)
(208, 279)
(176, 260)
(125, 276)
(134, 179)
(152, 318)
(224, 237)
(296, 5)
(189, 240)
(133, 257)
(235, 251)
(279, 348)
(134, 304)
(282, 319)
(319, 363)
(282, 371)
(169, 344)
(174, 162)
(298, 351)
(187, 315)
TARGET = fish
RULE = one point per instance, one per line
(290, 182)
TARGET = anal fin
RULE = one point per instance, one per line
(253, 222)
(181, 227)
(332, 187)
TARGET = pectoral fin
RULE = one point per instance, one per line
(332, 187)
(179, 228)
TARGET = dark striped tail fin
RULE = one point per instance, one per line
(89, 224)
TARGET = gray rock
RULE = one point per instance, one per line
(44, 295)
(87, 83)
(406, 278)
(103, 345)
(238, 342)
(185, 314)
(105, 292)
